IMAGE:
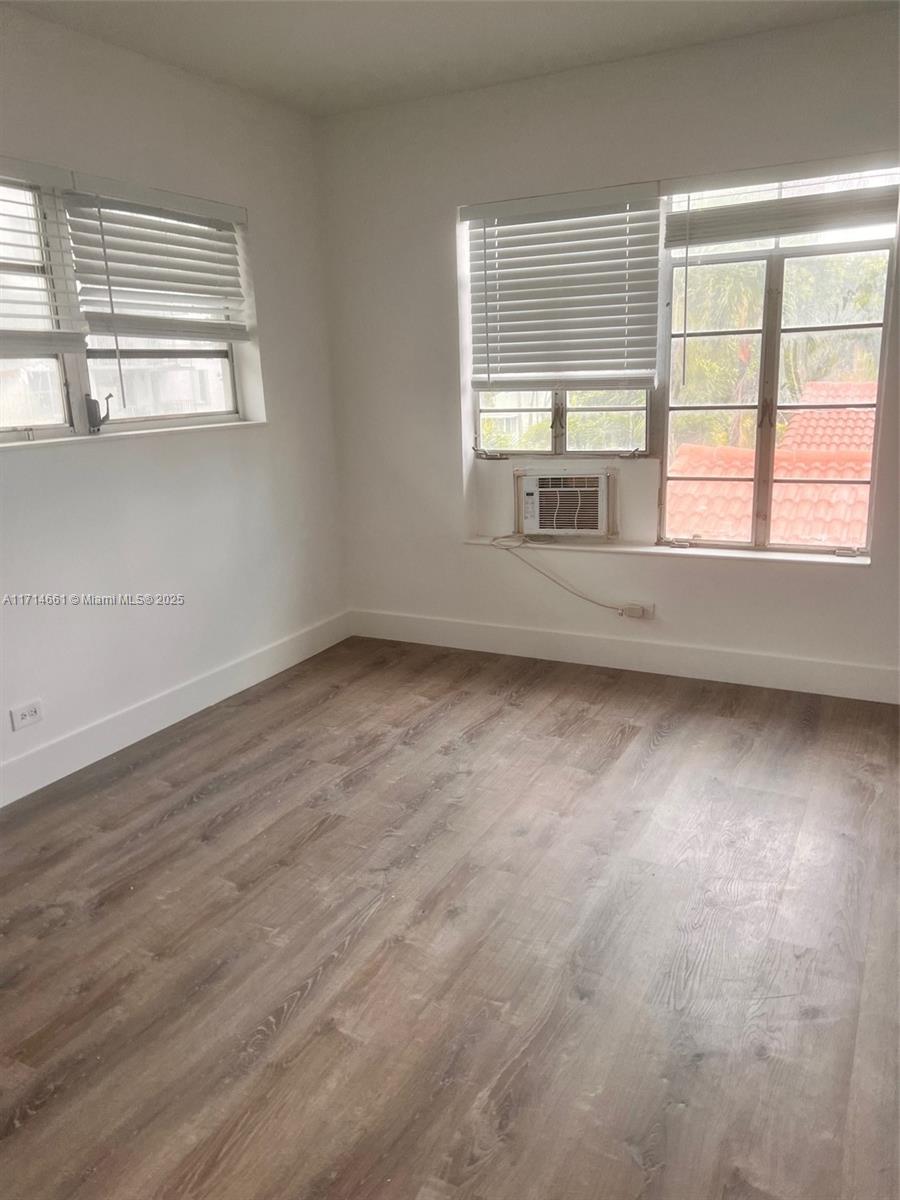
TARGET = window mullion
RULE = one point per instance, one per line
(559, 420)
(61, 279)
(767, 408)
(78, 386)
(658, 406)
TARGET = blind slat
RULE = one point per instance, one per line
(179, 328)
(186, 259)
(29, 343)
(608, 282)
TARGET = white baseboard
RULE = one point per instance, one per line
(77, 749)
(857, 681)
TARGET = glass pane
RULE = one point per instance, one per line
(161, 387)
(19, 230)
(715, 249)
(31, 393)
(720, 443)
(608, 398)
(515, 431)
(606, 431)
(720, 197)
(819, 514)
(834, 289)
(720, 296)
(835, 366)
(852, 181)
(720, 370)
(826, 237)
(24, 301)
(711, 510)
(515, 399)
(824, 443)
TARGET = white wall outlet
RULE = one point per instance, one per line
(26, 714)
(645, 611)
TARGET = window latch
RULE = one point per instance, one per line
(94, 416)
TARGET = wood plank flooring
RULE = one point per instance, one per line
(406, 923)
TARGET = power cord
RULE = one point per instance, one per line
(512, 541)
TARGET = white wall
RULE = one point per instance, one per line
(394, 178)
(242, 520)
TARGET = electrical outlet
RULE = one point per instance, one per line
(26, 714)
(645, 611)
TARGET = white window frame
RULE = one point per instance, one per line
(616, 204)
(67, 364)
(767, 398)
(559, 410)
(46, 183)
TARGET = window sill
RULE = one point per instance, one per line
(565, 456)
(114, 435)
(654, 551)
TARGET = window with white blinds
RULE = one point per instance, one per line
(118, 306)
(147, 272)
(776, 327)
(559, 296)
(39, 310)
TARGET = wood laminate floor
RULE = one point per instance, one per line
(423, 924)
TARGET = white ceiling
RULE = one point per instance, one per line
(328, 56)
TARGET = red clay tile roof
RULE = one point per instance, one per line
(826, 391)
(832, 444)
(811, 514)
(831, 430)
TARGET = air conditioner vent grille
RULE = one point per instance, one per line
(569, 481)
(566, 504)
(569, 508)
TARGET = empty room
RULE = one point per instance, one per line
(449, 599)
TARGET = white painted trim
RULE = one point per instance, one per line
(53, 760)
(45, 175)
(590, 202)
(77, 749)
(856, 681)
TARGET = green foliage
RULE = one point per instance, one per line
(831, 289)
(606, 430)
(526, 432)
(721, 296)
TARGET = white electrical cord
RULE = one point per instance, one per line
(512, 541)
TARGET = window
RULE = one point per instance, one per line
(563, 322)
(137, 306)
(776, 329)
(36, 312)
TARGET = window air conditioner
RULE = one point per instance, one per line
(566, 504)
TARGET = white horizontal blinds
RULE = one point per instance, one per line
(149, 272)
(565, 296)
(782, 216)
(39, 312)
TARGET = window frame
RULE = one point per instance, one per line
(58, 263)
(172, 420)
(559, 410)
(767, 398)
(51, 263)
(36, 433)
